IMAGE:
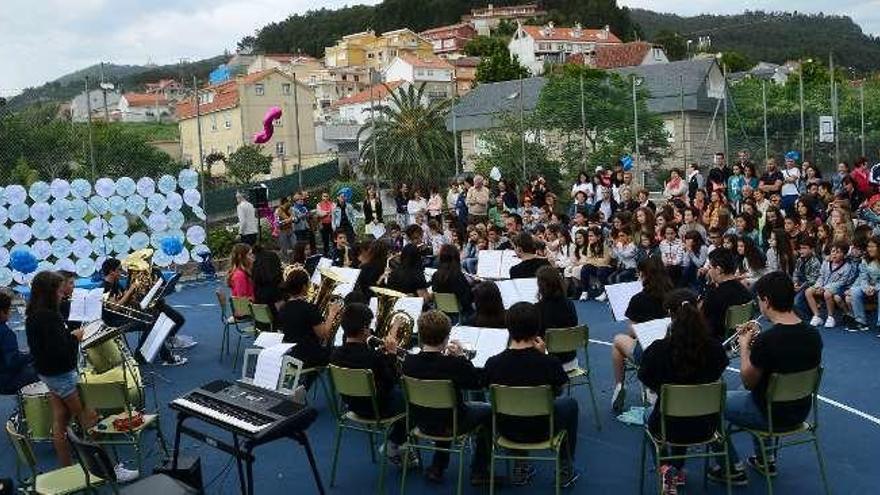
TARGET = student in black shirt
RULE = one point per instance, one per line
(789, 346)
(440, 359)
(449, 278)
(303, 324)
(526, 249)
(268, 277)
(16, 367)
(525, 363)
(356, 354)
(489, 307)
(341, 252)
(645, 306)
(373, 260)
(557, 311)
(725, 291)
(409, 275)
(688, 355)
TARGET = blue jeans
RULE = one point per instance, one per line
(859, 297)
(740, 410)
(622, 275)
(469, 265)
(800, 305)
(594, 277)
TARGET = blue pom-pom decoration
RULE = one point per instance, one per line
(627, 162)
(347, 192)
(793, 155)
(171, 246)
(23, 261)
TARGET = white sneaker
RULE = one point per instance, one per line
(602, 297)
(816, 321)
(617, 397)
(125, 475)
(175, 361)
(830, 323)
(182, 342)
(585, 296)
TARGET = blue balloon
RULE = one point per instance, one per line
(171, 246)
(23, 261)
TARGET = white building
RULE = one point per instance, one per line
(141, 107)
(95, 100)
(355, 109)
(436, 73)
(539, 45)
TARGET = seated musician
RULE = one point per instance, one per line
(16, 367)
(688, 355)
(725, 291)
(354, 353)
(373, 261)
(526, 250)
(268, 278)
(341, 253)
(645, 306)
(449, 278)
(55, 349)
(67, 290)
(409, 275)
(113, 291)
(525, 363)
(239, 278)
(302, 322)
(441, 359)
(789, 346)
(489, 307)
(557, 311)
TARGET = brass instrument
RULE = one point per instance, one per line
(386, 298)
(141, 279)
(731, 344)
(323, 297)
(383, 280)
(405, 326)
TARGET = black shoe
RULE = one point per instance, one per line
(738, 477)
(855, 325)
(758, 465)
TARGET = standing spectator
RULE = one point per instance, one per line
(477, 201)
(343, 217)
(717, 174)
(16, 367)
(791, 178)
(401, 199)
(372, 208)
(284, 222)
(416, 206)
(696, 181)
(860, 176)
(434, 206)
(750, 176)
(452, 196)
(735, 184)
(771, 181)
(248, 224)
(324, 210)
(508, 195)
(675, 187)
(301, 219)
(837, 178)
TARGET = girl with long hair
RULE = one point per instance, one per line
(240, 278)
(865, 288)
(773, 220)
(644, 220)
(578, 258)
(488, 306)
(409, 275)
(267, 279)
(688, 355)
(780, 257)
(373, 260)
(695, 255)
(303, 324)
(594, 274)
(752, 265)
(449, 278)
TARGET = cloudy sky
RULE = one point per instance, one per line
(43, 39)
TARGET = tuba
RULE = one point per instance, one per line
(385, 298)
(142, 279)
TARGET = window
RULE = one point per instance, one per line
(259, 89)
(430, 72)
(228, 149)
(213, 122)
(313, 80)
(345, 77)
(279, 148)
(669, 127)
(227, 120)
(285, 88)
(279, 122)
(437, 95)
(357, 78)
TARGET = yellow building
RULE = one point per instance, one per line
(365, 49)
(232, 112)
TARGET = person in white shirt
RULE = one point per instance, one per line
(672, 253)
(248, 224)
(791, 176)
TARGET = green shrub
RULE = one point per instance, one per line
(220, 241)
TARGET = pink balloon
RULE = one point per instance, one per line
(265, 135)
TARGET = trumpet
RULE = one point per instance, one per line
(731, 344)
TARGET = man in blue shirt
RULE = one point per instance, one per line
(16, 369)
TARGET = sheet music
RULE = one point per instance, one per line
(518, 290)
(348, 275)
(619, 296)
(156, 337)
(86, 305)
(269, 366)
(90, 330)
(322, 263)
(429, 274)
(489, 263)
(508, 260)
(377, 230)
(343, 290)
(651, 331)
(487, 342)
(145, 302)
(374, 307)
(268, 339)
(411, 306)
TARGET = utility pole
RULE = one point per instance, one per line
(635, 123)
(764, 105)
(522, 127)
(862, 110)
(373, 131)
(834, 111)
(801, 97)
(299, 154)
(104, 92)
(726, 96)
(201, 153)
(683, 126)
(454, 124)
(583, 119)
(89, 127)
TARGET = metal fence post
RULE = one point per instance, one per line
(635, 122)
(764, 106)
(522, 129)
(89, 129)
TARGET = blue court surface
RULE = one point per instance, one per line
(608, 459)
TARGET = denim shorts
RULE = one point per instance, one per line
(63, 385)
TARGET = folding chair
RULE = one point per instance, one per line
(687, 401)
(226, 319)
(244, 323)
(786, 387)
(60, 481)
(95, 465)
(562, 340)
(262, 317)
(737, 315)
(359, 383)
(438, 395)
(448, 304)
(524, 402)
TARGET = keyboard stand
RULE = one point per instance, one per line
(242, 450)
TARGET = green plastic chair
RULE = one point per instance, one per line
(687, 401)
(243, 323)
(785, 387)
(447, 303)
(524, 402)
(439, 395)
(70, 479)
(737, 315)
(226, 319)
(573, 339)
(360, 383)
(112, 399)
(262, 316)
(326, 388)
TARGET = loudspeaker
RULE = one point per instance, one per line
(259, 196)
(189, 471)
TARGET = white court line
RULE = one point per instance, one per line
(207, 305)
(181, 306)
(830, 402)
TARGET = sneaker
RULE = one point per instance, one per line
(759, 465)
(816, 321)
(568, 476)
(125, 475)
(830, 323)
(523, 472)
(738, 476)
(602, 297)
(181, 342)
(857, 326)
(585, 296)
(617, 398)
(176, 360)
(667, 474)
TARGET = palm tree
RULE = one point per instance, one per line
(408, 138)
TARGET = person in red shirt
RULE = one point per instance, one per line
(323, 210)
(860, 176)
